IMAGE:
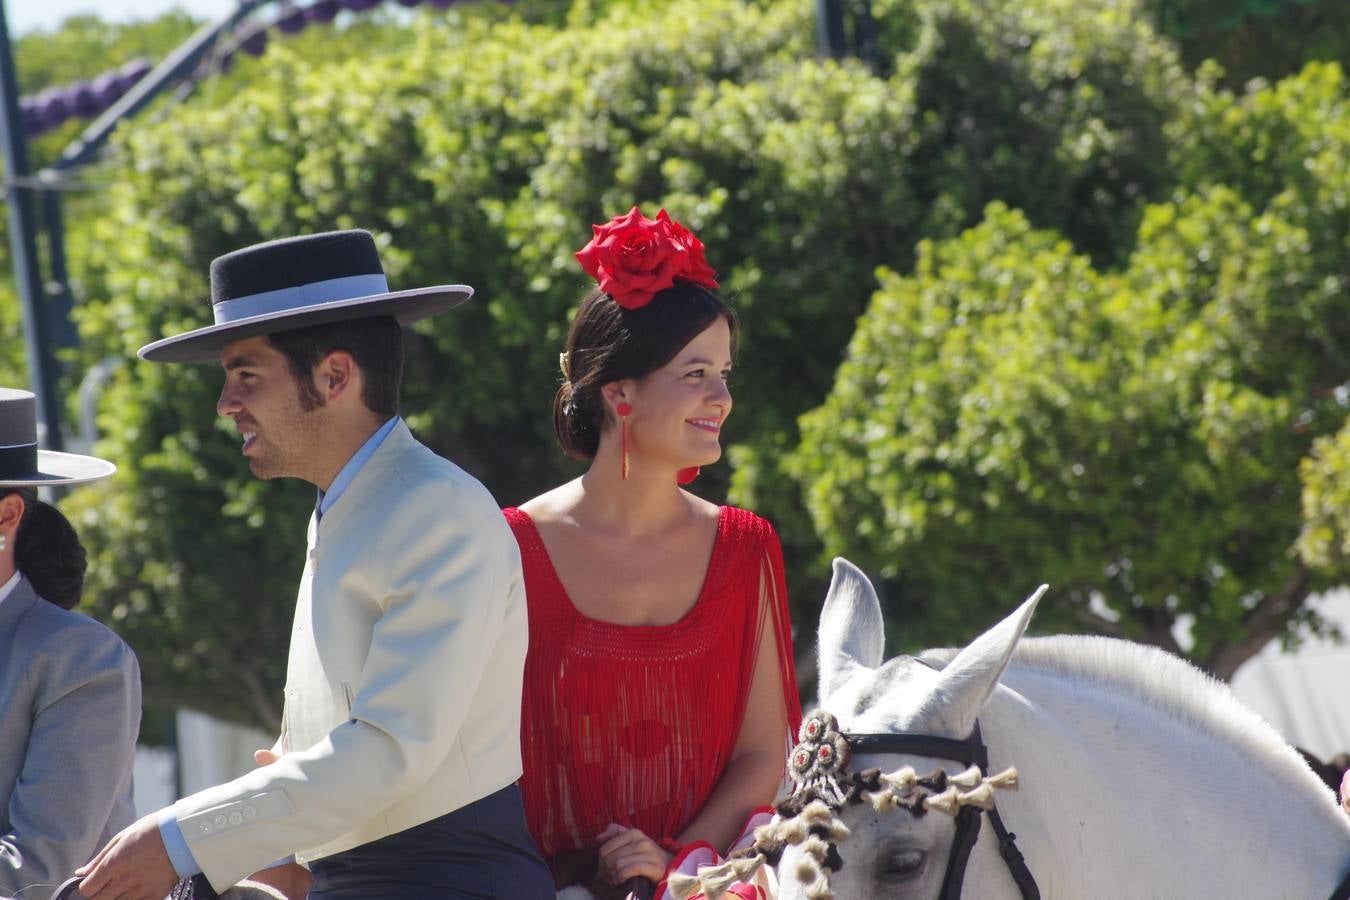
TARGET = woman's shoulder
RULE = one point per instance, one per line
(72, 640)
(529, 523)
(743, 524)
(524, 530)
(550, 506)
(45, 619)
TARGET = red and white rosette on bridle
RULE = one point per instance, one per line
(817, 767)
(820, 758)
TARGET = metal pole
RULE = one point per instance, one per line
(23, 246)
(865, 34)
(830, 27)
(59, 307)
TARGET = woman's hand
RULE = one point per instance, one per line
(1345, 791)
(628, 853)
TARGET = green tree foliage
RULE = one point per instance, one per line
(82, 48)
(1325, 541)
(1057, 108)
(480, 144)
(1255, 38)
(1009, 413)
(478, 153)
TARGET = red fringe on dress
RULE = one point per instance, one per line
(636, 725)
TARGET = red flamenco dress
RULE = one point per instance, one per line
(636, 724)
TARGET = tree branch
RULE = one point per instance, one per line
(1262, 622)
(1097, 624)
(260, 700)
(1158, 624)
(1160, 635)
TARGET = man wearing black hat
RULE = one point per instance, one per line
(394, 775)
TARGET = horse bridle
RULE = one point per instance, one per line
(973, 752)
(970, 752)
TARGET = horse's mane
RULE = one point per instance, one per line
(1162, 682)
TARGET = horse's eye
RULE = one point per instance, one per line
(903, 863)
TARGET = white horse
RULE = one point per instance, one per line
(1140, 777)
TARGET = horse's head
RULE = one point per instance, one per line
(898, 853)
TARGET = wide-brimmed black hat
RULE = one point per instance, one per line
(22, 464)
(300, 281)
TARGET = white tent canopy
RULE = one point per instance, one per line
(1305, 694)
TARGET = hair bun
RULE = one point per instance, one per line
(49, 554)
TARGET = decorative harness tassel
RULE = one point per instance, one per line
(823, 786)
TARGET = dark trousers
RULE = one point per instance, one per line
(478, 852)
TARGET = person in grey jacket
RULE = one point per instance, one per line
(70, 689)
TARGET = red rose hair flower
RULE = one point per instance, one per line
(632, 257)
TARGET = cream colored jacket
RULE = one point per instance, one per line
(404, 678)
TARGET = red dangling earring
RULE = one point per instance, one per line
(624, 410)
(686, 476)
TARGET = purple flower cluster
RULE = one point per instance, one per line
(85, 99)
(251, 38)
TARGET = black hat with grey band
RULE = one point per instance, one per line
(295, 282)
(22, 464)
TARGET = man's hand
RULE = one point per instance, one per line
(133, 866)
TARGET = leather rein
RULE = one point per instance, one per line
(970, 752)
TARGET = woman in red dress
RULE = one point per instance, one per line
(659, 690)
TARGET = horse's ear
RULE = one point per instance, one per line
(852, 634)
(968, 680)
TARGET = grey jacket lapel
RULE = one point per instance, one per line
(19, 601)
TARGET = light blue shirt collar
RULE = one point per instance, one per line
(348, 473)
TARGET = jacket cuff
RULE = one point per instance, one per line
(180, 855)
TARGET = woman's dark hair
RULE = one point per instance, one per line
(608, 343)
(48, 551)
